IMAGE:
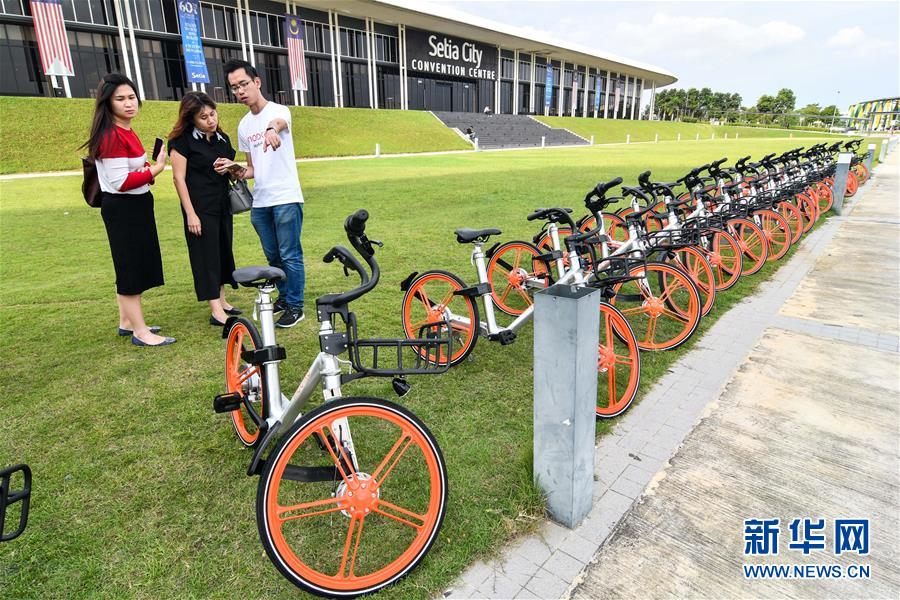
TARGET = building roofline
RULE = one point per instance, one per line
(546, 42)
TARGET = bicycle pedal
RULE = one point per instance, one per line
(224, 403)
(505, 337)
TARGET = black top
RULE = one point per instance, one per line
(208, 189)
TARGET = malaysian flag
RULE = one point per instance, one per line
(293, 35)
(51, 37)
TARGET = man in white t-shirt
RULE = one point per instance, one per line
(264, 134)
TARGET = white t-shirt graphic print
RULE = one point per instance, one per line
(274, 171)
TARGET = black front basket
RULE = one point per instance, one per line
(428, 354)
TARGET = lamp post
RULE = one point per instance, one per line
(837, 108)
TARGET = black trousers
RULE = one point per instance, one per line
(131, 229)
(212, 261)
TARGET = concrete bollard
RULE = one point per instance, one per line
(628, 138)
(377, 149)
(713, 136)
(477, 147)
(698, 138)
(883, 152)
(657, 139)
(726, 135)
(737, 136)
(840, 181)
(790, 136)
(566, 336)
(543, 141)
(870, 156)
(592, 140)
(678, 139)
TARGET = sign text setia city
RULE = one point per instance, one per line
(442, 55)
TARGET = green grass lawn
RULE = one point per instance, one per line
(43, 134)
(139, 488)
(606, 131)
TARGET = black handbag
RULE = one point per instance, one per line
(239, 196)
(90, 187)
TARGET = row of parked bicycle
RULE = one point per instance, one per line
(660, 259)
(362, 464)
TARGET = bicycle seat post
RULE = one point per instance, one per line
(265, 310)
(481, 270)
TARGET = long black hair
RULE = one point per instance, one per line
(103, 115)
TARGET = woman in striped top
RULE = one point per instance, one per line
(127, 206)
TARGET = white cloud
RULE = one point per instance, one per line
(847, 36)
(702, 37)
(854, 42)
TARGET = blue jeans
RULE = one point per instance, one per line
(278, 228)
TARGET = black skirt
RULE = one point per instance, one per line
(212, 261)
(131, 229)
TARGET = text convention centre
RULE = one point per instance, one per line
(389, 53)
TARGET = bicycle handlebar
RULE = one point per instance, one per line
(553, 215)
(595, 200)
(355, 226)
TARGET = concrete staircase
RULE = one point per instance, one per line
(508, 131)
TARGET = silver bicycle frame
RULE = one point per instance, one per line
(325, 370)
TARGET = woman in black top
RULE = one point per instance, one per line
(195, 144)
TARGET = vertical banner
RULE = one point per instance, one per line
(56, 59)
(293, 39)
(194, 60)
(548, 88)
(575, 87)
(597, 91)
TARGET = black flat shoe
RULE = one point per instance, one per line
(215, 322)
(126, 332)
(234, 311)
(166, 342)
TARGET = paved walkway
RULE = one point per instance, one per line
(805, 426)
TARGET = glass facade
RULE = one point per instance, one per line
(96, 48)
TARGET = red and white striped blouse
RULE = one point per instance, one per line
(120, 158)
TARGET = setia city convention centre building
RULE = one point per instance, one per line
(392, 54)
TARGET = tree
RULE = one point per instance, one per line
(830, 111)
(765, 104)
(784, 101)
(812, 110)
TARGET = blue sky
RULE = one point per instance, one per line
(815, 48)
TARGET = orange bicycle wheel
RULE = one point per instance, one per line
(724, 256)
(777, 232)
(661, 304)
(794, 217)
(752, 242)
(693, 262)
(352, 498)
(244, 378)
(429, 297)
(613, 224)
(618, 365)
(810, 211)
(514, 272)
(826, 198)
(852, 184)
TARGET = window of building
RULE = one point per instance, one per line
(524, 70)
(507, 68)
(12, 7)
(386, 48)
(318, 38)
(353, 43)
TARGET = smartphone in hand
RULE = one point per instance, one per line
(157, 148)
